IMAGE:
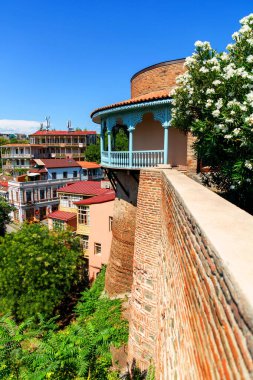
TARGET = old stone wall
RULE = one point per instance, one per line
(119, 274)
(157, 77)
(191, 306)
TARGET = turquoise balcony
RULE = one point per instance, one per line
(132, 160)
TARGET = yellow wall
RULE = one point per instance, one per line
(82, 229)
(68, 209)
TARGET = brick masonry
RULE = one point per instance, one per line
(188, 313)
(157, 77)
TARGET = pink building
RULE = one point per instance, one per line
(87, 208)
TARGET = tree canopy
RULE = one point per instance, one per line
(214, 101)
(92, 152)
(37, 270)
(5, 210)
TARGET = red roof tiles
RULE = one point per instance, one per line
(62, 215)
(107, 196)
(83, 187)
(89, 165)
(63, 133)
(155, 95)
(51, 163)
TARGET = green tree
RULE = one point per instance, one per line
(38, 268)
(121, 140)
(92, 153)
(5, 210)
(79, 351)
(214, 101)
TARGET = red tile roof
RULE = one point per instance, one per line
(84, 188)
(62, 215)
(89, 165)
(155, 95)
(4, 183)
(51, 163)
(63, 133)
(107, 196)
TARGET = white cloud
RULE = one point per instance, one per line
(19, 126)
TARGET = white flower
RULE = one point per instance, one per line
(203, 70)
(224, 56)
(201, 44)
(216, 113)
(245, 29)
(229, 121)
(250, 41)
(219, 103)
(249, 97)
(232, 112)
(216, 82)
(209, 102)
(229, 46)
(248, 165)
(189, 61)
(210, 91)
(247, 19)
(249, 119)
(236, 131)
(228, 137)
(232, 187)
(249, 59)
(235, 35)
(248, 180)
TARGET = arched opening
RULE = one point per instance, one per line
(149, 134)
(120, 137)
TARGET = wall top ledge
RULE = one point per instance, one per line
(227, 228)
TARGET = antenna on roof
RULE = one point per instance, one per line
(41, 126)
(47, 118)
(70, 129)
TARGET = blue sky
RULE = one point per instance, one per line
(64, 58)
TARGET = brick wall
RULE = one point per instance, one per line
(157, 77)
(191, 306)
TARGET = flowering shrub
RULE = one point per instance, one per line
(214, 101)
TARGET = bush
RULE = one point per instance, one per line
(214, 101)
(37, 270)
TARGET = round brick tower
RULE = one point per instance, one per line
(155, 80)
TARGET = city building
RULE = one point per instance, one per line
(62, 144)
(87, 208)
(46, 144)
(34, 195)
(91, 171)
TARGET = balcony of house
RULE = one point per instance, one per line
(141, 139)
(17, 155)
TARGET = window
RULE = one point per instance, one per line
(58, 224)
(65, 174)
(85, 241)
(84, 215)
(75, 174)
(42, 194)
(110, 222)
(97, 249)
(54, 193)
(22, 162)
(28, 196)
(68, 200)
(16, 151)
(85, 172)
(54, 175)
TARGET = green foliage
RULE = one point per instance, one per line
(5, 210)
(37, 269)
(214, 101)
(80, 351)
(121, 140)
(92, 153)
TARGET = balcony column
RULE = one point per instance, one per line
(102, 138)
(130, 146)
(166, 144)
(109, 145)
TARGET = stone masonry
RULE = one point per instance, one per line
(191, 306)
